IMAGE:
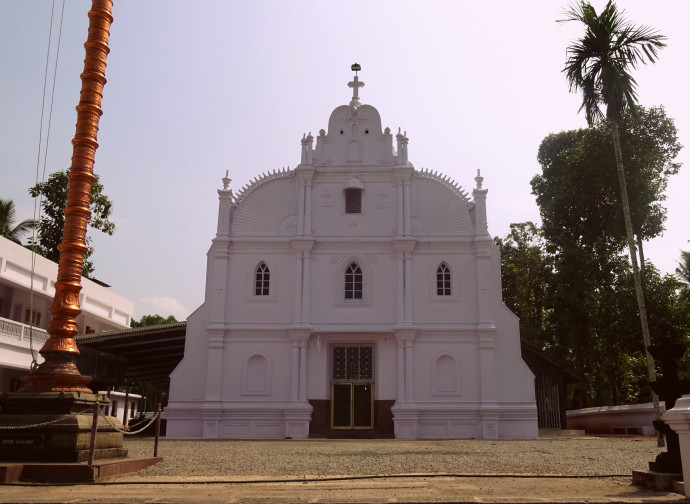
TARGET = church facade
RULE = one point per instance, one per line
(352, 296)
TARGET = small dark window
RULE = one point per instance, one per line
(353, 200)
(32, 317)
(353, 282)
(262, 280)
(443, 280)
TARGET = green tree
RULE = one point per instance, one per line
(578, 192)
(526, 273)
(599, 66)
(53, 194)
(683, 272)
(153, 320)
(8, 229)
(583, 233)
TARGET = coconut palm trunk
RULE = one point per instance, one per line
(599, 65)
(639, 291)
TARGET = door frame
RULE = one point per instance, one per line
(352, 385)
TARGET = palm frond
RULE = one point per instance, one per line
(599, 63)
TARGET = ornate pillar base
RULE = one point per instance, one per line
(61, 428)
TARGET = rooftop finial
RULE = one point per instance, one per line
(479, 179)
(355, 85)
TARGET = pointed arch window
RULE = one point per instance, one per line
(443, 280)
(353, 281)
(262, 280)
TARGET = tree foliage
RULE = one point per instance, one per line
(582, 308)
(588, 302)
(8, 228)
(153, 320)
(53, 194)
(599, 63)
(578, 189)
(683, 272)
(526, 271)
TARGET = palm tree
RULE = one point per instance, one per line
(683, 272)
(7, 227)
(599, 66)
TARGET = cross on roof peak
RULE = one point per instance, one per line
(355, 85)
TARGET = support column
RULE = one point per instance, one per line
(405, 411)
(300, 212)
(295, 372)
(409, 372)
(401, 209)
(488, 409)
(217, 281)
(214, 367)
(305, 174)
(303, 366)
(408, 288)
(302, 248)
(405, 336)
(408, 226)
(307, 209)
(297, 317)
(400, 291)
(306, 289)
(404, 248)
(400, 371)
(297, 413)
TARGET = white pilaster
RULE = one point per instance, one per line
(295, 372)
(303, 366)
(299, 278)
(214, 367)
(302, 248)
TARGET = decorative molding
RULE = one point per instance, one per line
(446, 181)
(261, 179)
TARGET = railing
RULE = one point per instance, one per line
(9, 329)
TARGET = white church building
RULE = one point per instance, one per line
(352, 296)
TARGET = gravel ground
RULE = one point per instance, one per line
(576, 456)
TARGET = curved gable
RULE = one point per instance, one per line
(354, 138)
(268, 209)
(438, 208)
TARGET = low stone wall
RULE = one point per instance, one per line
(626, 419)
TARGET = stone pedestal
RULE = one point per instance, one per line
(678, 419)
(59, 429)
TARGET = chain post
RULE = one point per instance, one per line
(158, 430)
(94, 428)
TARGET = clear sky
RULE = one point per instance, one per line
(198, 88)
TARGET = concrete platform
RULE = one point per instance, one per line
(77, 472)
(655, 480)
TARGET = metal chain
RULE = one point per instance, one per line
(48, 422)
(70, 415)
(129, 433)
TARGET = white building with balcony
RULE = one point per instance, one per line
(26, 294)
(353, 296)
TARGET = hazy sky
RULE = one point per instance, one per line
(198, 88)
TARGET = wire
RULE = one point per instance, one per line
(38, 201)
(154, 481)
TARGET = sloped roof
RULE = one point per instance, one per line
(151, 352)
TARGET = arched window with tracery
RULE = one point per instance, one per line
(262, 280)
(443, 280)
(353, 281)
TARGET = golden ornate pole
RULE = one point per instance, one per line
(59, 371)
